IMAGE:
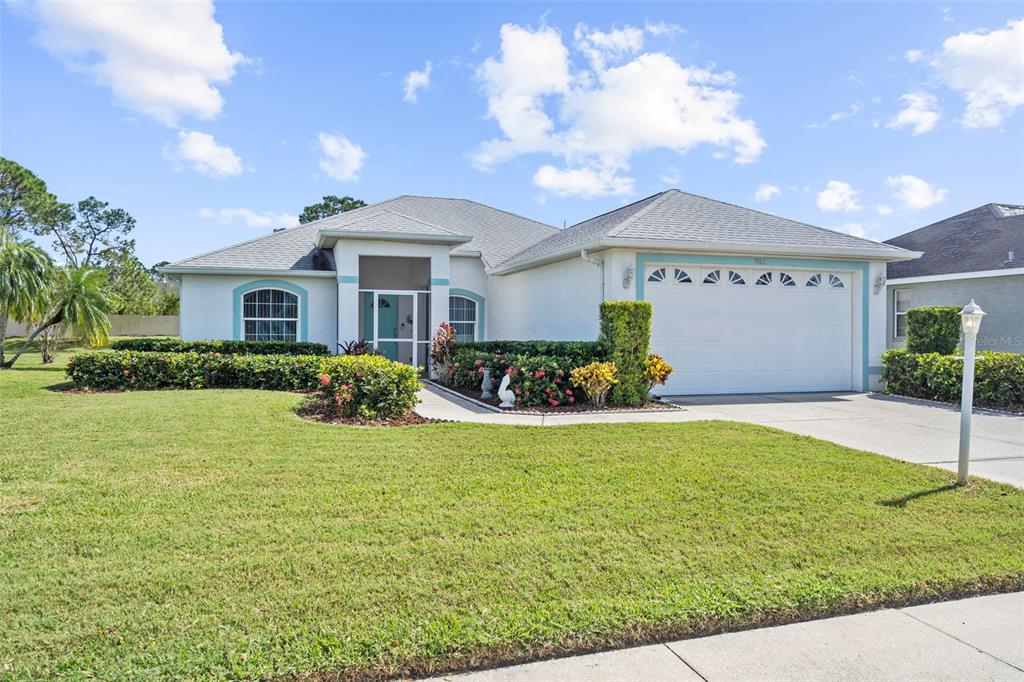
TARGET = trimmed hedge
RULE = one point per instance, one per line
(998, 377)
(380, 388)
(626, 336)
(933, 329)
(221, 346)
(583, 352)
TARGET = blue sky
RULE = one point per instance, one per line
(215, 124)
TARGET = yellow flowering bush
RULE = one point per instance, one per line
(596, 379)
(656, 371)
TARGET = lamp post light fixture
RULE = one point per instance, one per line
(970, 318)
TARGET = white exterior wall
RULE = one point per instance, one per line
(876, 323)
(553, 302)
(207, 305)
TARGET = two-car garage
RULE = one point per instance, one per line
(731, 329)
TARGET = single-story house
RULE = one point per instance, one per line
(744, 301)
(977, 254)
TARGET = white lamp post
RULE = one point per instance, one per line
(970, 317)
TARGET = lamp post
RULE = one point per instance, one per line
(970, 318)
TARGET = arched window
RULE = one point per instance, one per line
(270, 315)
(462, 317)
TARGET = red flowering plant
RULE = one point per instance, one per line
(543, 381)
(466, 370)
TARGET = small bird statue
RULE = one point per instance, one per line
(508, 398)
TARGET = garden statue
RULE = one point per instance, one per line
(508, 398)
(487, 385)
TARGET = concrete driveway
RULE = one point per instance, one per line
(904, 428)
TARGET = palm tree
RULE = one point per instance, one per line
(25, 273)
(81, 298)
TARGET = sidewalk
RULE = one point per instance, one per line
(971, 639)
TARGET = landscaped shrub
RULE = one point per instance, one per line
(596, 379)
(133, 371)
(221, 346)
(367, 387)
(626, 338)
(998, 377)
(933, 329)
(580, 352)
(656, 371)
(378, 388)
(539, 380)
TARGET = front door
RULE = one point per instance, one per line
(396, 323)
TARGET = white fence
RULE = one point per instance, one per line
(123, 325)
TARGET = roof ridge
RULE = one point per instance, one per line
(479, 203)
(415, 220)
(243, 243)
(946, 219)
(633, 217)
(778, 217)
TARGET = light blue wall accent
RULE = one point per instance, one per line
(348, 279)
(874, 369)
(481, 310)
(754, 261)
(240, 291)
(440, 282)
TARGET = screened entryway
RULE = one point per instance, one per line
(394, 306)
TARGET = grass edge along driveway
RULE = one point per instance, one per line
(213, 534)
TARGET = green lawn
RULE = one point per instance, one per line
(215, 534)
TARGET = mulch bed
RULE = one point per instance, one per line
(584, 408)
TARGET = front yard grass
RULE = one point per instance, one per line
(215, 534)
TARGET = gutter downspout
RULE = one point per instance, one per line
(599, 262)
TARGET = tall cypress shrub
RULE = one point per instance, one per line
(626, 336)
(933, 329)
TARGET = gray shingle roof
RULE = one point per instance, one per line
(496, 235)
(687, 218)
(979, 239)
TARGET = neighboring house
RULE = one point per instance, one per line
(978, 254)
(743, 301)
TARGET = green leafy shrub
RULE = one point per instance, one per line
(626, 338)
(221, 346)
(378, 388)
(580, 352)
(933, 329)
(998, 377)
(368, 386)
(537, 380)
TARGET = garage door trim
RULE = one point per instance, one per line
(642, 260)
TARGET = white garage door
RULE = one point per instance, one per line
(739, 330)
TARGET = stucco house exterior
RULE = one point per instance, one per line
(744, 301)
(977, 254)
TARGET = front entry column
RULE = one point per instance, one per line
(348, 308)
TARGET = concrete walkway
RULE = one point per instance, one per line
(902, 428)
(959, 641)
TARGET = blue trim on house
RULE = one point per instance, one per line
(874, 369)
(348, 279)
(754, 261)
(481, 310)
(440, 282)
(240, 291)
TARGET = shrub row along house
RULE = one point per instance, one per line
(743, 301)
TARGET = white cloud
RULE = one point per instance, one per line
(601, 47)
(608, 112)
(339, 158)
(838, 196)
(671, 176)
(765, 192)
(883, 209)
(914, 192)
(855, 229)
(921, 112)
(582, 182)
(201, 151)
(663, 28)
(855, 108)
(913, 56)
(249, 218)
(161, 59)
(416, 81)
(988, 69)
